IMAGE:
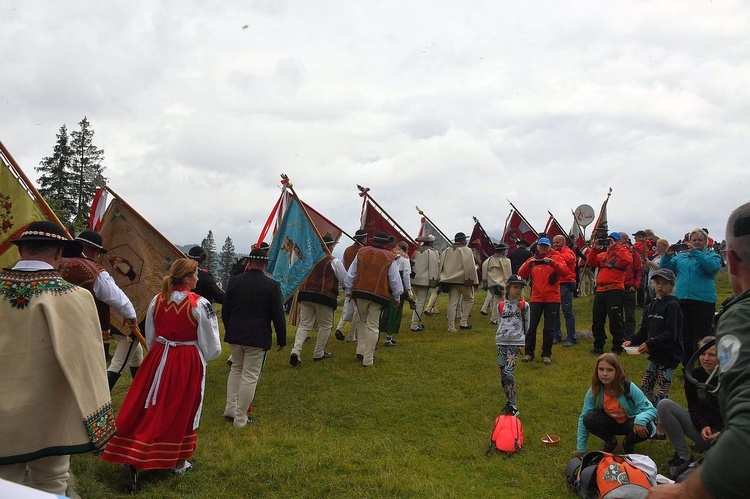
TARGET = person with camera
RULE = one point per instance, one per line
(495, 272)
(545, 269)
(695, 266)
(612, 259)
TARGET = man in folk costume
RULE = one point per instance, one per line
(53, 396)
(83, 270)
(252, 303)
(207, 286)
(318, 298)
(495, 272)
(458, 272)
(360, 237)
(373, 281)
(426, 260)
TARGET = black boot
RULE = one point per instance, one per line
(107, 355)
(133, 370)
(112, 378)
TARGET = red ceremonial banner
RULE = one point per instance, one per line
(373, 221)
(517, 229)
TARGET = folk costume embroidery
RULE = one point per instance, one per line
(19, 288)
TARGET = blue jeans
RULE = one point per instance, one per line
(566, 304)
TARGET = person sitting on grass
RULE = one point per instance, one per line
(701, 421)
(513, 322)
(614, 406)
(661, 337)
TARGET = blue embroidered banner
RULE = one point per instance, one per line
(295, 250)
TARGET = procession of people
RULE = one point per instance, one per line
(160, 415)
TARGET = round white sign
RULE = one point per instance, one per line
(585, 215)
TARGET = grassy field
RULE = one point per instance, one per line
(416, 424)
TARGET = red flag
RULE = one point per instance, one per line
(518, 229)
(320, 222)
(553, 228)
(481, 242)
(576, 234)
(373, 221)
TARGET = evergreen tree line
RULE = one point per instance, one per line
(70, 177)
(219, 263)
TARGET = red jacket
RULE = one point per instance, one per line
(634, 272)
(612, 266)
(545, 277)
(568, 267)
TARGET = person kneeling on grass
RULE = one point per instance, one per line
(513, 322)
(614, 406)
(660, 336)
(701, 421)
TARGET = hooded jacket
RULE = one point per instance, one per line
(661, 330)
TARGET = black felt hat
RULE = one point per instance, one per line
(50, 232)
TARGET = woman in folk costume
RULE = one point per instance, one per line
(158, 421)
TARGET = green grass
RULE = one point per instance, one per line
(414, 425)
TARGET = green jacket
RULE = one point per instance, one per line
(725, 471)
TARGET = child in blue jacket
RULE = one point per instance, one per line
(614, 406)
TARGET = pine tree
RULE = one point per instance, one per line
(56, 179)
(226, 260)
(87, 170)
(209, 246)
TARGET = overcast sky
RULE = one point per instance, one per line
(452, 106)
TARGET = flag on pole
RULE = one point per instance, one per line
(20, 204)
(553, 228)
(601, 227)
(295, 249)
(518, 229)
(374, 219)
(427, 228)
(98, 207)
(481, 242)
(576, 235)
(137, 257)
(323, 225)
